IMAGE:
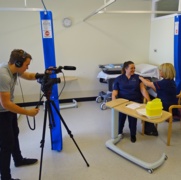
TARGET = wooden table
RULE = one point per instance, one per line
(120, 105)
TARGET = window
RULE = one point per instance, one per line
(165, 5)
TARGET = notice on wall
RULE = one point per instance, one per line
(46, 28)
(176, 28)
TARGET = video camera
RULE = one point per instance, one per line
(46, 81)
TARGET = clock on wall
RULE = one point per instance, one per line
(67, 22)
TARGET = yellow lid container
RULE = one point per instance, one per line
(154, 107)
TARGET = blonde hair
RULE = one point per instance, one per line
(168, 71)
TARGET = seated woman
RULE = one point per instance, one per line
(128, 86)
(166, 91)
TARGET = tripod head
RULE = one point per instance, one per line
(47, 83)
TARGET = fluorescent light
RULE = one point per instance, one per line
(21, 9)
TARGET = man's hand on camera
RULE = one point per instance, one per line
(38, 75)
(50, 69)
(41, 75)
(33, 111)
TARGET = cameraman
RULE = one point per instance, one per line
(9, 142)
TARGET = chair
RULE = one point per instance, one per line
(176, 106)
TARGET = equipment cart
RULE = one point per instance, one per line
(107, 75)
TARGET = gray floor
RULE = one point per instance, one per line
(91, 128)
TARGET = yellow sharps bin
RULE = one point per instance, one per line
(154, 107)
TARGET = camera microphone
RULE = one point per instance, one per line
(59, 69)
(65, 68)
(69, 68)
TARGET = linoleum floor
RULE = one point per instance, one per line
(91, 128)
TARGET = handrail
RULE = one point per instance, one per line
(141, 12)
(99, 9)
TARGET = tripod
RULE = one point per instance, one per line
(48, 110)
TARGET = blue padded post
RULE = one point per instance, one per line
(49, 58)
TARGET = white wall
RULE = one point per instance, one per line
(102, 39)
(162, 40)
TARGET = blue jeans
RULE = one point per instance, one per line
(9, 143)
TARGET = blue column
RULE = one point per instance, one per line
(177, 51)
(49, 58)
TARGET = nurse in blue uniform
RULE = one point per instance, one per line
(166, 91)
(129, 86)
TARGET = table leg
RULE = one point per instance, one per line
(114, 123)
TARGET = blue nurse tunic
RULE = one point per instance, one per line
(166, 91)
